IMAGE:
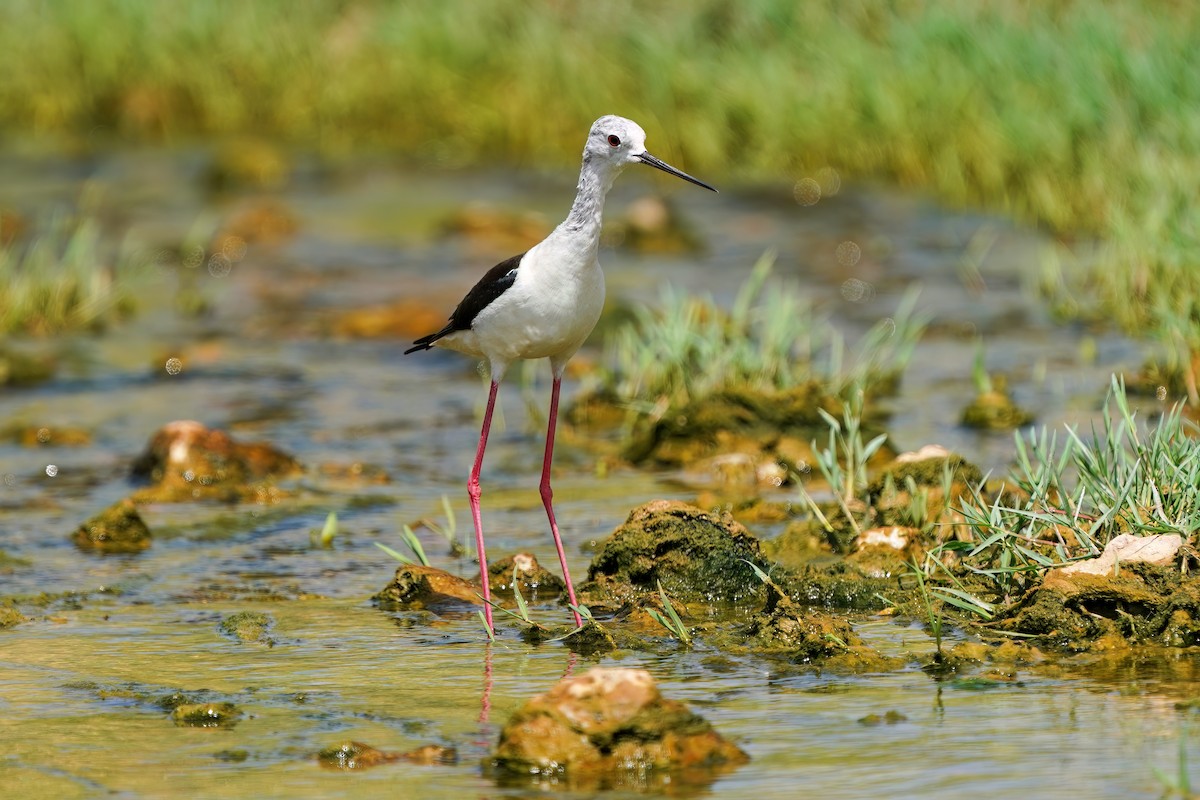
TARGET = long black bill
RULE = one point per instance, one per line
(646, 158)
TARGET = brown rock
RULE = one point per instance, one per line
(357, 755)
(406, 318)
(416, 586)
(186, 460)
(603, 727)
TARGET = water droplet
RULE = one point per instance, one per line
(848, 253)
(829, 180)
(219, 266)
(51, 470)
(189, 476)
(856, 291)
(43, 435)
(174, 366)
(193, 256)
(163, 257)
(1161, 393)
(888, 326)
(807, 192)
(233, 248)
(10, 479)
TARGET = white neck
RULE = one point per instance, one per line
(583, 222)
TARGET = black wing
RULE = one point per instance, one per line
(490, 286)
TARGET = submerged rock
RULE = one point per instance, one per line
(248, 626)
(186, 461)
(207, 715)
(357, 755)
(696, 556)
(416, 587)
(117, 529)
(609, 728)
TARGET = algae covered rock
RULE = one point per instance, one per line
(1081, 611)
(117, 529)
(805, 635)
(250, 627)
(768, 424)
(415, 586)
(10, 617)
(185, 460)
(207, 715)
(695, 555)
(609, 728)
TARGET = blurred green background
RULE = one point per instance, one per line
(1080, 116)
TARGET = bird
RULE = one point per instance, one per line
(544, 303)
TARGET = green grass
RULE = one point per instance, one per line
(687, 347)
(63, 280)
(1067, 498)
(1083, 116)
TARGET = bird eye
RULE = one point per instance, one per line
(613, 140)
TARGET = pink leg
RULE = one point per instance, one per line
(473, 491)
(548, 495)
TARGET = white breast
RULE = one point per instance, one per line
(548, 312)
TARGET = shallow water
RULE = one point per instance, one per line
(339, 669)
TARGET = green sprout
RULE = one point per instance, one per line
(672, 622)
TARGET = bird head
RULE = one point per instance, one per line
(617, 142)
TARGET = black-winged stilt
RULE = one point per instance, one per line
(543, 304)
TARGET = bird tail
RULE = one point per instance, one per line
(426, 342)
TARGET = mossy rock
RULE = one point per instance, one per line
(689, 433)
(801, 542)
(1080, 611)
(10, 617)
(995, 411)
(117, 529)
(207, 715)
(695, 555)
(248, 626)
(839, 584)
